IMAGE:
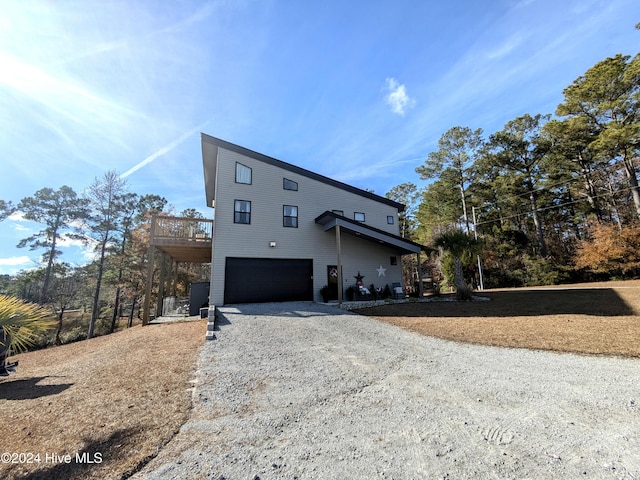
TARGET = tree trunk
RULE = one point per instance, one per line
(464, 209)
(116, 308)
(614, 215)
(590, 189)
(47, 275)
(58, 341)
(632, 178)
(536, 218)
(133, 306)
(95, 311)
(572, 210)
(459, 275)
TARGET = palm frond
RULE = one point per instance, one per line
(23, 322)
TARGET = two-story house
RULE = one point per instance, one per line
(281, 232)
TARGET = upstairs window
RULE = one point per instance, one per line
(358, 216)
(390, 220)
(290, 216)
(242, 212)
(243, 174)
(338, 212)
(289, 184)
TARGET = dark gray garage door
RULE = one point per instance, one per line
(254, 280)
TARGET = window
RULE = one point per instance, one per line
(242, 211)
(390, 219)
(243, 174)
(358, 216)
(338, 212)
(289, 184)
(290, 216)
(393, 260)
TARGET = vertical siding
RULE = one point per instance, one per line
(267, 197)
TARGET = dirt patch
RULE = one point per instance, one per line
(98, 408)
(600, 319)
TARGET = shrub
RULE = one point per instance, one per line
(610, 249)
(539, 271)
(324, 291)
(73, 335)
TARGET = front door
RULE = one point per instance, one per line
(332, 281)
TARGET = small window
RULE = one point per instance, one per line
(242, 212)
(390, 219)
(338, 212)
(358, 216)
(289, 184)
(290, 216)
(243, 174)
(393, 260)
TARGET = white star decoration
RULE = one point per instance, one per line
(381, 271)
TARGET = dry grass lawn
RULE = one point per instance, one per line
(599, 319)
(116, 399)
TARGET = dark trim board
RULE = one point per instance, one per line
(217, 142)
(330, 220)
(259, 280)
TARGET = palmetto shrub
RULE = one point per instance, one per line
(23, 322)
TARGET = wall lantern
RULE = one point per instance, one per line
(272, 244)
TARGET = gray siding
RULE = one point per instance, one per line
(267, 197)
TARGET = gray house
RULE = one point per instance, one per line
(281, 232)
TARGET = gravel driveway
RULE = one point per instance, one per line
(302, 390)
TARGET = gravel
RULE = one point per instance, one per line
(308, 391)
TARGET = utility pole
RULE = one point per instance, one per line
(475, 232)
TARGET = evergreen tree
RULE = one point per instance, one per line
(607, 99)
(407, 194)
(519, 150)
(61, 211)
(459, 148)
(6, 209)
(106, 199)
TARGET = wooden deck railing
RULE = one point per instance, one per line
(180, 229)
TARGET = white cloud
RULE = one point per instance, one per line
(17, 217)
(17, 221)
(397, 98)
(65, 241)
(13, 261)
(82, 250)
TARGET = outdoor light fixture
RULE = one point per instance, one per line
(272, 244)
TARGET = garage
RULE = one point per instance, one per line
(255, 280)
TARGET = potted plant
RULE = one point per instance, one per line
(324, 291)
(351, 292)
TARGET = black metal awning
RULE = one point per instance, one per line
(330, 220)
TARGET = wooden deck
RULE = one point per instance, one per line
(184, 240)
(187, 240)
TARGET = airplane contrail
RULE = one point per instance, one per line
(163, 150)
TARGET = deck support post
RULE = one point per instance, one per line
(161, 283)
(150, 261)
(339, 250)
(420, 286)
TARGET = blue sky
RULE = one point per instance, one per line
(358, 90)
